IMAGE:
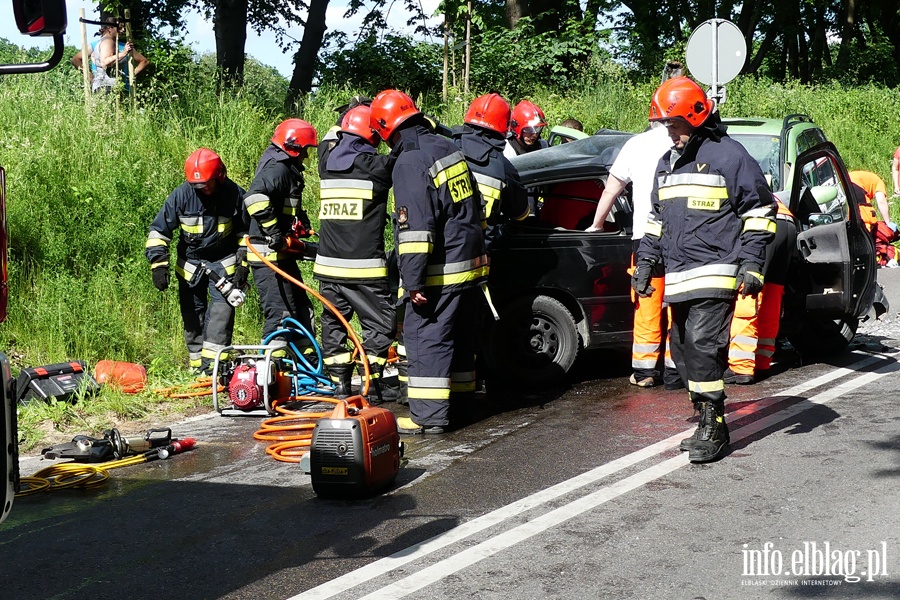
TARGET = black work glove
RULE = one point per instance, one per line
(239, 279)
(276, 241)
(160, 278)
(640, 280)
(750, 279)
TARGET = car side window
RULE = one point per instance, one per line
(808, 139)
(825, 192)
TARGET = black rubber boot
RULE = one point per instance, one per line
(713, 439)
(342, 376)
(403, 382)
(688, 443)
(380, 390)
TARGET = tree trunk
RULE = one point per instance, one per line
(230, 28)
(515, 10)
(848, 25)
(305, 58)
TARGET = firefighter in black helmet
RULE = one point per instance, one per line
(351, 265)
(440, 252)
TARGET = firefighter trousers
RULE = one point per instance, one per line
(208, 320)
(699, 343)
(439, 338)
(372, 304)
(280, 298)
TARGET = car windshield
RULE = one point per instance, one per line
(765, 149)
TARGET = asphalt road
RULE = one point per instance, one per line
(575, 492)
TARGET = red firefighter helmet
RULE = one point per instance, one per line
(680, 98)
(203, 165)
(390, 109)
(293, 135)
(526, 114)
(490, 111)
(357, 121)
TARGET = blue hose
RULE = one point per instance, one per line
(307, 379)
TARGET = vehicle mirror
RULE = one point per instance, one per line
(820, 219)
(824, 194)
(40, 17)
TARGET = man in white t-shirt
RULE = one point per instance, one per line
(636, 164)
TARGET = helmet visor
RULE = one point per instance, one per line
(536, 131)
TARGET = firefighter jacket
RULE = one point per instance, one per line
(274, 199)
(212, 228)
(711, 211)
(354, 183)
(497, 179)
(438, 233)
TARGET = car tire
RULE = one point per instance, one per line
(823, 337)
(535, 342)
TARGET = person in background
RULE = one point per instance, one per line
(636, 164)
(754, 327)
(573, 124)
(351, 265)
(208, 210)
(874, 189)
(274, 201)
(442, 262)
(712, 217)
(109, 57)
(526, 124)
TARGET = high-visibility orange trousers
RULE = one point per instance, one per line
(649, 335)
(768, 321)
(744, 335)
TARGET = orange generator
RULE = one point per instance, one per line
(356, 451)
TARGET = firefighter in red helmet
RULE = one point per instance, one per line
(482, 140)
(208, 210)
(351, 264)
(442, 262)
(274, 202)
(712, 217)
(526, 124)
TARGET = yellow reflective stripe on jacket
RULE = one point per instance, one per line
(701, 186)
(705, 277)
(158, 265)
(653, 227)
(346, 188)
(415, 242)
(152, 242)
(456, 273)
(224, 226)
(351, 268)
(191, 224)
(255, 203)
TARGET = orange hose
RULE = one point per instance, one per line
(292, 431)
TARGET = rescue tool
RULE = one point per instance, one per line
(232, 294)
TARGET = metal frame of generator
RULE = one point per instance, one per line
(266, 377)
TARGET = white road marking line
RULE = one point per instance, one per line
(513, 536)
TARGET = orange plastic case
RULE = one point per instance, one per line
(356, 451)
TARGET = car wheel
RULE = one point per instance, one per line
(823, 337)
(535, 341)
